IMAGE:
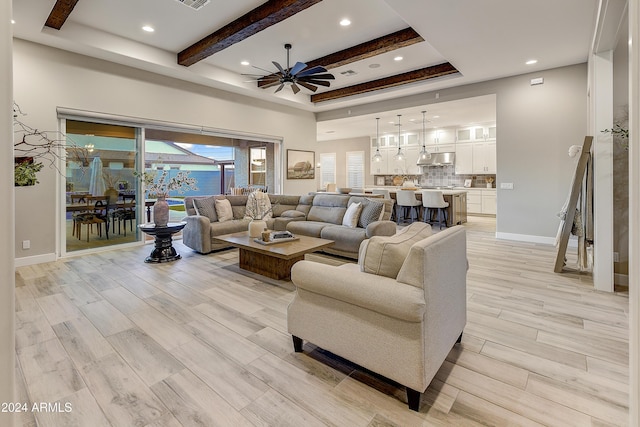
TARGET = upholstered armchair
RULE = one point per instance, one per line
(397, 313)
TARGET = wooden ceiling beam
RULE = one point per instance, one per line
(60, 12)
(258, 19)
(387, 82)
(365, 50)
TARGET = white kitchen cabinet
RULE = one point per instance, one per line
(481, 201)
(411, 161)
(474, 202)
(388, 149)
(443, 148)
(464, 159)
(476, 134)
(410, 139)
(489, 202)
(388, 165)
(440, 136)
(484, 157)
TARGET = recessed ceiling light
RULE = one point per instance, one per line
(374, 66)
(398, 58)
(331, 131)
(531, 61)
(345, 22)
(13, 21)
(244, 63)
(436, 117)
(148, 28)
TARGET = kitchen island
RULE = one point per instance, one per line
(457, 199)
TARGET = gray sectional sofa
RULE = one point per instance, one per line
(315, 215)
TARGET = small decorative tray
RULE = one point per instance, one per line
(274, 241)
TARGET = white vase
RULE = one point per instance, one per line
(256, 226)
(489, 185)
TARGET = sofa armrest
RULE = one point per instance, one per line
(378, 293)
(197, 233)
(381, 228)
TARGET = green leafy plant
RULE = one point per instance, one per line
(24, 173)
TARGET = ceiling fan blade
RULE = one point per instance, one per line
(297, 68)
(267, 71)
(272, 78)
(319, 76)
(279, 67)
(279, 88)
(312, 70)
(311, 87)
(295, 88)
(317, 82)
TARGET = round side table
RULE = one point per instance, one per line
(164, 250)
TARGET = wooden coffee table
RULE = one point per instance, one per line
(274, 261)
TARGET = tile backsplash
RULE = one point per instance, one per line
(443, 176)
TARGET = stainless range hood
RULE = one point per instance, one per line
(438, 159)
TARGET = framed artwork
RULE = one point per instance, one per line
(300, 164)
(467, 183)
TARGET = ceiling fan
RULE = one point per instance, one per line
(297, 75)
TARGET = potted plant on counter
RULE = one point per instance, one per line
(489, 180)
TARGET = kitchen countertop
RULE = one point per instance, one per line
(445, 191)
(443, 188)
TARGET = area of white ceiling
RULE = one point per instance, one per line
(465, 112)
(483, 39)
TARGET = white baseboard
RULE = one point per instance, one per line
(529, 238)
(37, 259)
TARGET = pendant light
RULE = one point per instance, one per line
(377, 157)
(424, 154)
(399, 157)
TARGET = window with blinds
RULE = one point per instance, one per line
(355, 169)
(327, 169)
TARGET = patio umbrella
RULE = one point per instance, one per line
(96, 180)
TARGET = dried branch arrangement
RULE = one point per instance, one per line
(32, 147)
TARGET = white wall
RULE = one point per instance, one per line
(46, 78)
(7, 276)
(340, 147)
(536, 126)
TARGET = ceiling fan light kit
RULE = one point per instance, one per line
(297, 76)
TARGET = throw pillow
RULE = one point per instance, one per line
(371, 212)
(258, 206)
(352, 215)
(206, 207)
(223, 210)
(384, 255)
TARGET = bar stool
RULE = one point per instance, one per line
(406, 199)
(434, 199)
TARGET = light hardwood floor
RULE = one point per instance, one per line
(197, 342)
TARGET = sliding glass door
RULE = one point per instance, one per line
(101, 196)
